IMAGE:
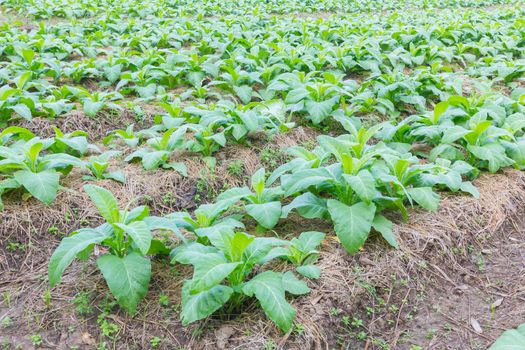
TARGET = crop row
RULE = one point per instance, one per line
(44, 9)
(252, 60)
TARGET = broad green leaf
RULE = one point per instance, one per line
(42, 185)
(140, 233)
(319, 111)
(23, 111)
(352, 224)
(303, 179)
(257, 181)
(105, 202)
(260, 248)
(22, 79)
(266, 214)
(196, 306)
(384, 227)
(237, 244)
(363, 184)
(453, 133)
(468, 187)
(439, 109)
(244, 92)
(269, 290)
(91, 108)
(309, 240)
(512, 339)
(493, 153)
(310, 271)
(153, 159)
(127, 278)
(293, 285)
(209, 271)
(68, 250)
(425, 197)
(308, 205)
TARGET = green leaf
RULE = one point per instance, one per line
(209, 271)
(158, 247)
(293, 285)
(309, 240)
(266, 214)
(439, 109)
(319, 111)
(68, 250)
(257, 181)
(468, 187)
(140, 233)
(493, 153)
(200, 305)
(42, 185)
(310, 271)
(269, 290)
(152, 159)
(512, 339)
(352, 224)
(453, 133)
(105, 202)
(244, 92)
(22, 79)
(425, 197)
(91, 108)
(308, 205)
(303, 179)
(179, 167)
(384, 227)
(115, 176)
(23, 111)
(363, 184)
(127, 278)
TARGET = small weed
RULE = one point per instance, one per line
(14, 246)
(430, 334)
(236, 168)
(334, 311)
(164, 300)
(36, 339)
(270, 344)
(155, 342)
(299, 328)
(81, 303)
(356, 322)
(270, 157)
(361, 335)
(108, 329)
(47, 298)
(169, 199)
(6, 296)
(6, 322)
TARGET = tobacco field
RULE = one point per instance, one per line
(262, 174)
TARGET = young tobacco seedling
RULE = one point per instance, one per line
(206, 217)
(262, 203)
(74, 143)
(302, 252)
(39, 174)
(98, 165)
(159, 150)
(223, 274)
(127, 238)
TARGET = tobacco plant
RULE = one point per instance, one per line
(223, 277)
(126, 238)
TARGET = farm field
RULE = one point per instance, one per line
(202, 174)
